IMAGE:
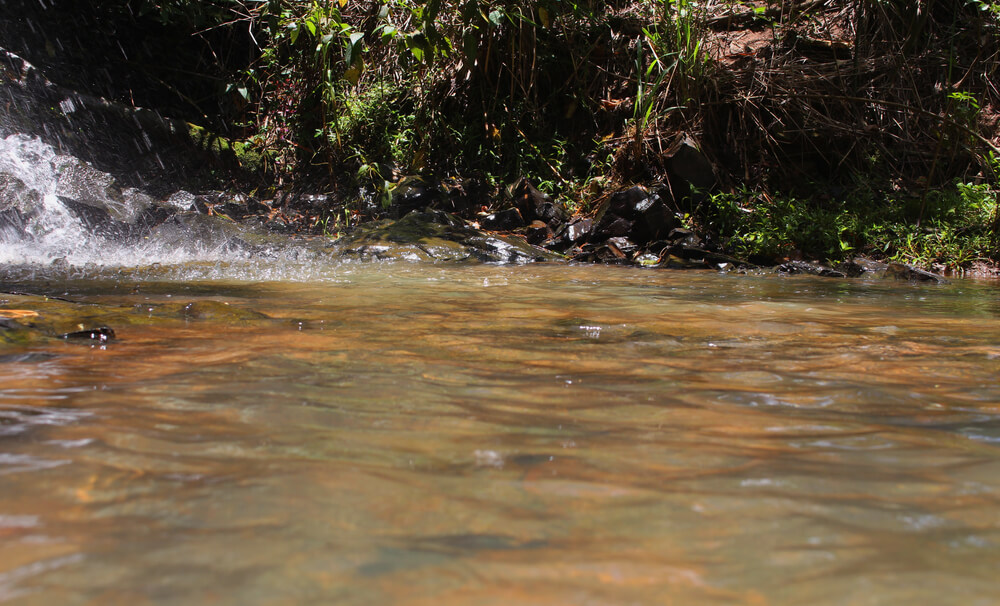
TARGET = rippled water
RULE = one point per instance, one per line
(488, 435)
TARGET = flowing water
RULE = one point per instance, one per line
(271, 426)
(426, 434)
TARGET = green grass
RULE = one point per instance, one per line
(949, 228)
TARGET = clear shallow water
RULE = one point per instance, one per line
(488, 435)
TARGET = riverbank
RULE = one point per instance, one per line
(609, 133)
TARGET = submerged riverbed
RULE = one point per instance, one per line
(424, 434)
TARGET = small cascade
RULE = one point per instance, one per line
(35, 225)
(62, 216)
(61, 213)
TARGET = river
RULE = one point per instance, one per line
(547, 434)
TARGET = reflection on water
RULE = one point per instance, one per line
(486, 435)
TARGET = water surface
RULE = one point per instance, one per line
(487, 435)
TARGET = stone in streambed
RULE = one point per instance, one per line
(901, 271)
(101, 334)
(436, 236)
(805, 267)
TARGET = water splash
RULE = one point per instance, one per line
(55, 210)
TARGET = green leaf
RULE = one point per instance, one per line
(353, 53)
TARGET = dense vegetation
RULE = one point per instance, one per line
(834, 126)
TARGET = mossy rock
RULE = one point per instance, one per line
(436, 236)
(248, 157)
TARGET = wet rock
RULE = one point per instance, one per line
(17, 197)
(436, 236)
(612, 226)
(901, 271)
(196, 233)
(861, 266)
(219, 311)
(410, 194)
(504, 220)
(87, 185)
(813, 269)
(181, 201)
(626, 246)
(691, 257)
(235, 206)
(578, 229)
(14, 333)
(460, 195)
(569, 234)
(101, 334)
(610, 254)
(13, 224)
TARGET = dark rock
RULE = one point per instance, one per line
(691, 257)
(669, 261)
(630, 202)
(636, 213)
(411, 194)
(9, 324)
(860, 266)
(98, 221)
(533, 204)
(578, 230)
(16, 196)
(813, 269)
(538, 232)
(610, 254)
(684, 237)
(688, 164)
(625, 245)
(239, 207)
(202, 204)
(460, 195)
(612, 226)
(504, 220)
(102, 334)
(901, 271)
